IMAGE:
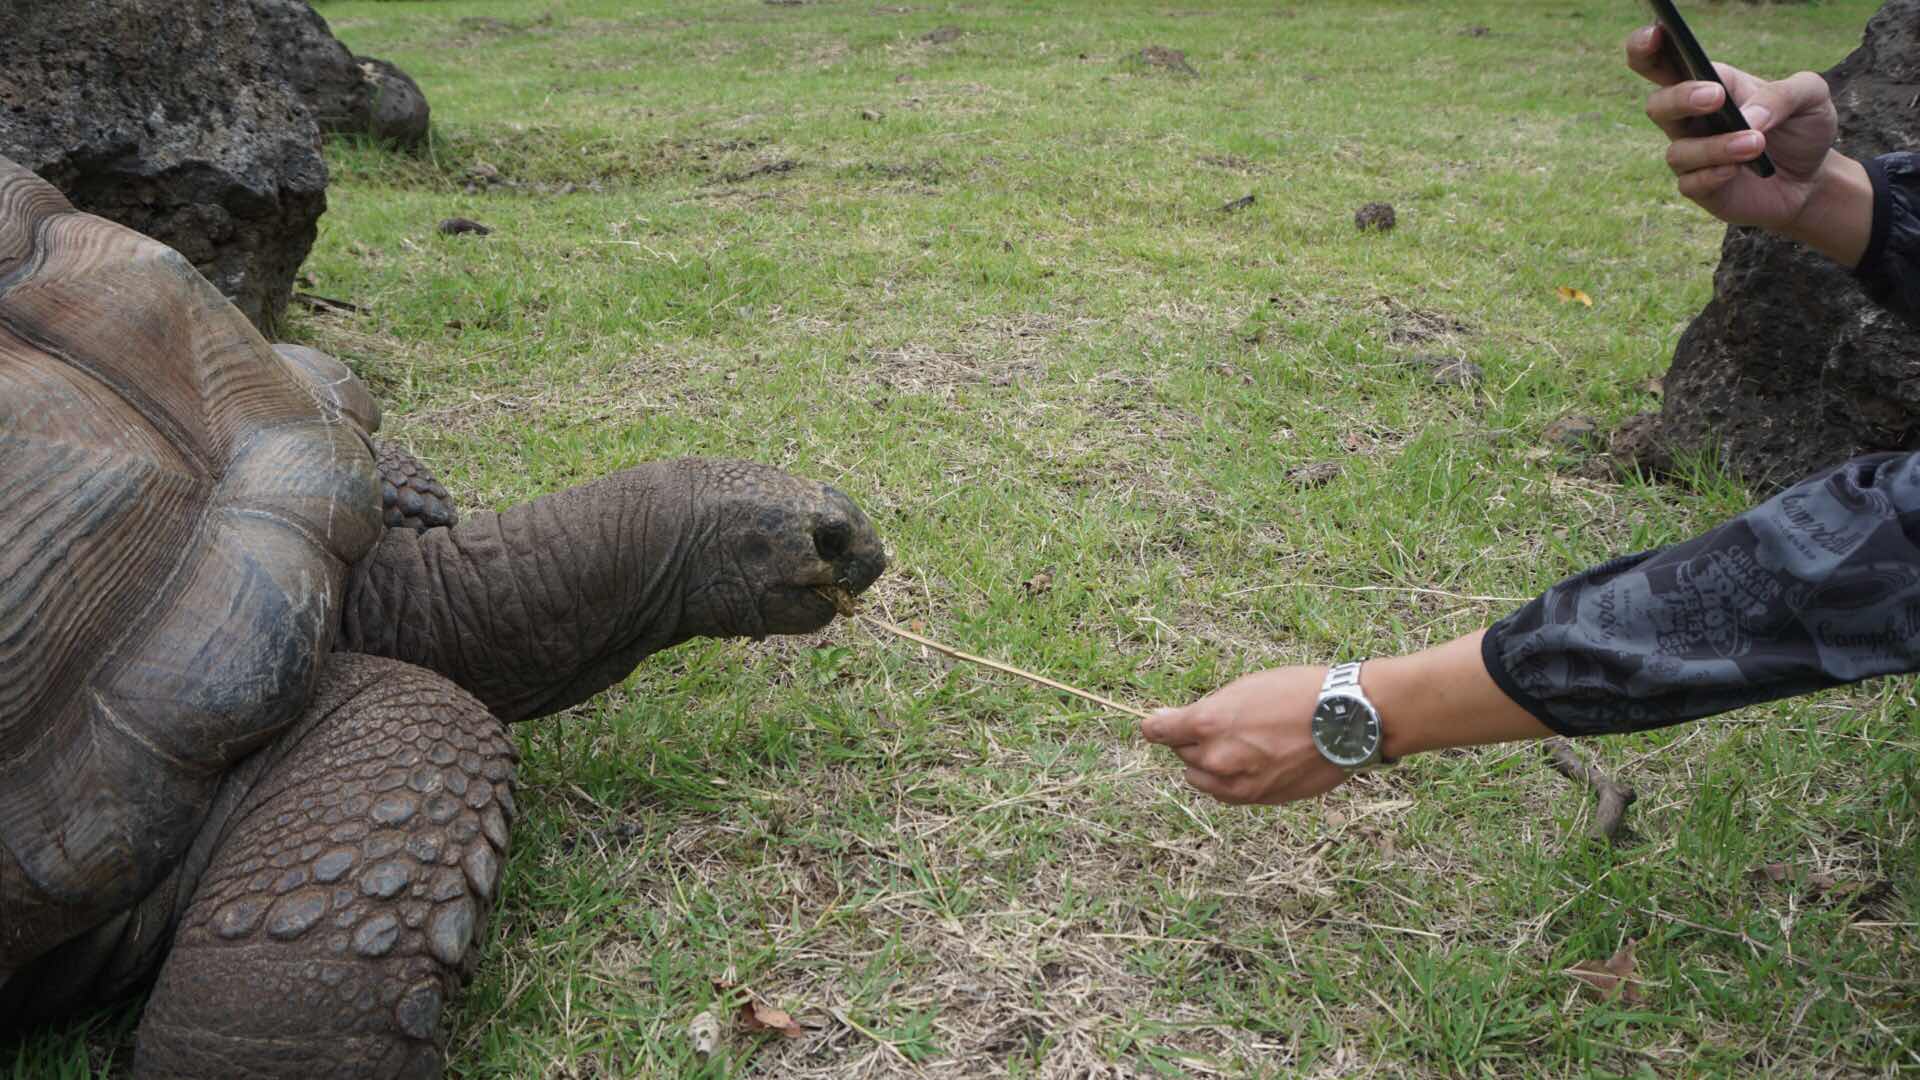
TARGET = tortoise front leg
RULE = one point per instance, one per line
(411, 497)
(343, 902)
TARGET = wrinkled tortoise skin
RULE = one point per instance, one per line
(255, 671)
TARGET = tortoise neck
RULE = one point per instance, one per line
(536, 608)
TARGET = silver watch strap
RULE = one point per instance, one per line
(1342, 677)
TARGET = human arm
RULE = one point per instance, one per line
(1816, 587)
(1251, 742)
(1864, 215)
(1817, 195)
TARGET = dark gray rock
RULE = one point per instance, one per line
(170, 118)
(396, 109)
(1791, 368)
(349, 95)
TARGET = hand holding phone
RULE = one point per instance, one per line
(1684, 54)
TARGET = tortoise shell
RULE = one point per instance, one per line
(178, 511)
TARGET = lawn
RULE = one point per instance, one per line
(974, 263)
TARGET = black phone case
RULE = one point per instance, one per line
(1685, 52)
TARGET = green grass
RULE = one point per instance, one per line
(984, 285)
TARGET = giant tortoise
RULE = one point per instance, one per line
(252, 741)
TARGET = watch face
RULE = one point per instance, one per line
(1346, 731)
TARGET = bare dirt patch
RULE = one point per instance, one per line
(1407, 325)
(479, 29)
(545, 161)
(1000, 351)
(1230, 162)
(919, 172)
(776, 167)
(1162, 59)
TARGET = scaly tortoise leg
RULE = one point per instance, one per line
(410, 496)
(342, 906)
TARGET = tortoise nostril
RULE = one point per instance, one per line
(831, 540)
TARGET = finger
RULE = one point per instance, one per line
(1691, 155)
(1701, 185)
(1765, 104)
(1648, 59)
(1192, 753)
(1221, 757)
(1807, 91)
(1210, 756)
(1205, 782)
(1673, 106)
(1170, 727)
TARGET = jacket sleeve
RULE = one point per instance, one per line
(1890, 269)
(1816, 587)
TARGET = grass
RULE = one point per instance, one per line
(984, 284)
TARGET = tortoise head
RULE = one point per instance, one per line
(763, 546)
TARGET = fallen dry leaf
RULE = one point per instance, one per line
(1614, 976)
(757, 1015)
(1570, 295)
(705, 1032)
(1817, 882)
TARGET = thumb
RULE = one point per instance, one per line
(1767, 104)
(1168, 727)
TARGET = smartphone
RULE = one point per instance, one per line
(1683, 53)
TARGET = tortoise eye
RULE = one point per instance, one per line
(831, 540)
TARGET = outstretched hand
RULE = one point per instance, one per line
(1793, 121)
(1251, 741)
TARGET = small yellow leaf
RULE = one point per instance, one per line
(1570, 295)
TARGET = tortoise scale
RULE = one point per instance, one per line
(254, 678)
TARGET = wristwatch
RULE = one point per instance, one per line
(1346, 726)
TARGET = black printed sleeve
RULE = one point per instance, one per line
(1890, 269)
(1816, 587)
